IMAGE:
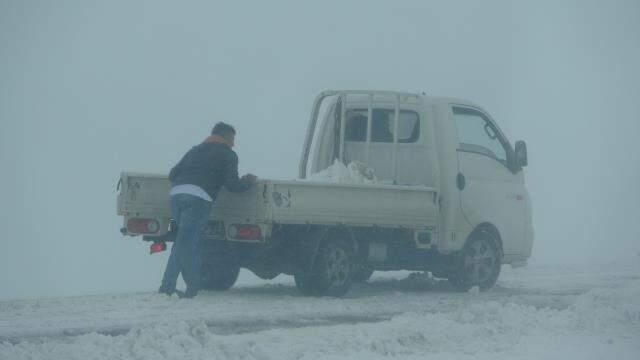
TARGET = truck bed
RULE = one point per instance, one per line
(292, 202)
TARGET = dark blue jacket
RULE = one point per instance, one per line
(209, 165)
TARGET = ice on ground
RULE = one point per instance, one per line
(533, 313)
(354, 173)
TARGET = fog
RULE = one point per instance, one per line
(90, 89)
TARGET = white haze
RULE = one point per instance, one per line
(92, 88)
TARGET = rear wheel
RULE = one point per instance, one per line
(363, 274)
(304, 283)
(332, 272)
(479, 263)
(219, 277)
(219, 268)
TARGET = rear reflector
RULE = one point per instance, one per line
(157, 247)
(143, 226)
(245, 232)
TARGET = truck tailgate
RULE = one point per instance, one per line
(148, 194)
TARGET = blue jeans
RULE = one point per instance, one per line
(191, 215)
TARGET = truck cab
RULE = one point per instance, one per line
(448, 144)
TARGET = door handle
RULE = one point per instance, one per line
(460, 181)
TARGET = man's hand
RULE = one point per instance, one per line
(250, 178)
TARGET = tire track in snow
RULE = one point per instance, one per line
(215, 326)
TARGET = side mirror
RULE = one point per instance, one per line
(521, 153)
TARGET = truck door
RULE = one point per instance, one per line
(489, 190)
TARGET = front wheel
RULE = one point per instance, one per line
(478, 265)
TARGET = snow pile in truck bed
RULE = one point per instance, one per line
(354, 173)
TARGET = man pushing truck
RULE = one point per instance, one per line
(195, 181)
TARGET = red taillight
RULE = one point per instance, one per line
(245, 232)
(158, 247)
(143, 226)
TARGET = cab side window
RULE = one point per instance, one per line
(476, 134)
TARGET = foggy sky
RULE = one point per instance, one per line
(90, 89)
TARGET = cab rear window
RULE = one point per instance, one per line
(382, 126)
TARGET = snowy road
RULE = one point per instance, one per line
(533, 313)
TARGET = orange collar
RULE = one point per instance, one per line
(215, 139)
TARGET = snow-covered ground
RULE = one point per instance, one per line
(537, 312)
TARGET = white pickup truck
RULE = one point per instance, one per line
(449, 198)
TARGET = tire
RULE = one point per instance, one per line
(304, 283)
(219, 277)
(332, 273)
(478, 264)
(363, 274)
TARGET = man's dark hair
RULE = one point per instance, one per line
(223, 129)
